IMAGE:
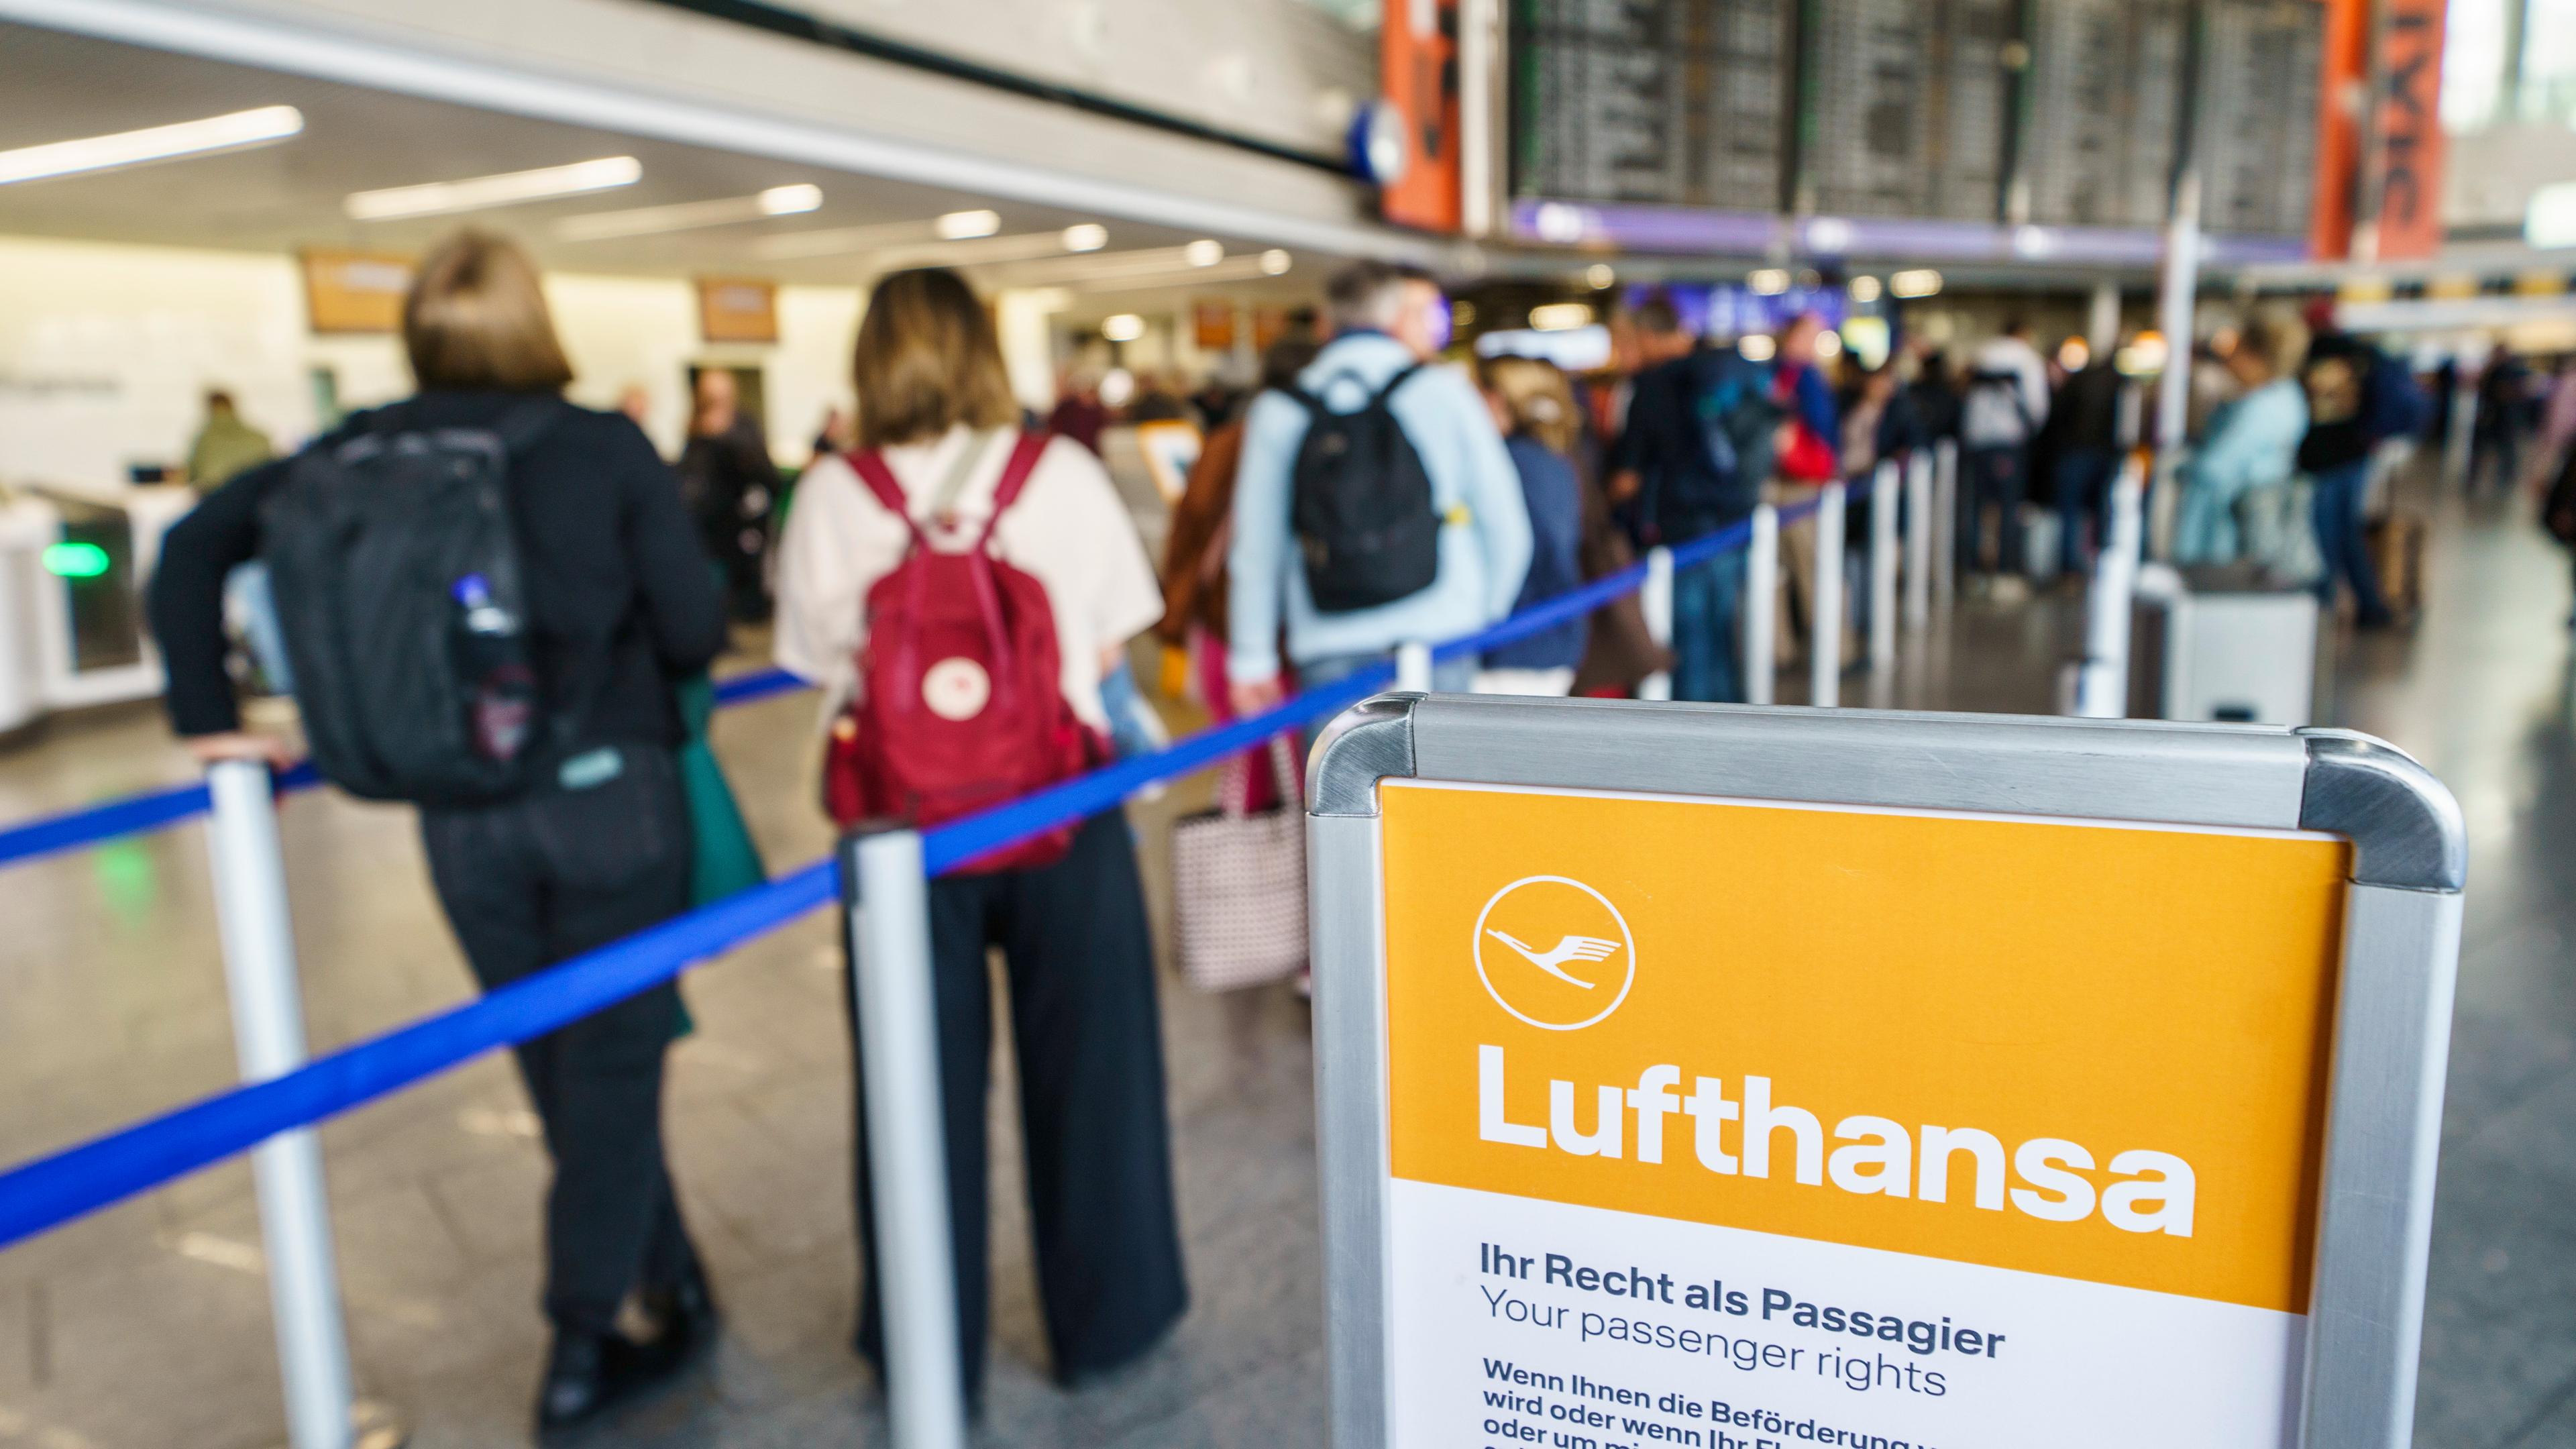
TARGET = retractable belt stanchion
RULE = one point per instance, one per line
(1920, 539)
(268, 1029)
(1945, 519)
(1761, 601)
(886, 898)
(1655, 598)
(2102, 686)
(1825, 649)
(1882, 566)
(1413, 668)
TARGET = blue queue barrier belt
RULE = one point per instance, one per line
(49, 1191)
(154, 810)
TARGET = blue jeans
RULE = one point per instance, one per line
(2337, 517)
(1708, 609)
(2083, 483)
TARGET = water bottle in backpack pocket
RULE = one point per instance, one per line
(396, 569)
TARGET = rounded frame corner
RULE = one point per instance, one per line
(2404, 824)
(1368, 742)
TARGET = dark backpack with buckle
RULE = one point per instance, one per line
(1361, 505)
(396, 569)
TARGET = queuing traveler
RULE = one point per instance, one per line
(1535, 409)
(225, 444)
(1807, 454)
(2237, 482)
(619, 604)
(2501, 421)
(1412, 448)
(1194, 551)
(2005, 406)
(938, 434)
(2082, 443)
(1676, 489)
(730, 483)
(2357, 399)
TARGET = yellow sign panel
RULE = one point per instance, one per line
(2082, 1050)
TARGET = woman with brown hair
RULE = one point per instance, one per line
(938, 433)
(620, 605)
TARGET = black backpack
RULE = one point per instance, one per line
(1733, 416)
(1361, 505)
(396, 571)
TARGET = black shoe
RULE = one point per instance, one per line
(576, 1386)
(589, 1374)
(686, 1315)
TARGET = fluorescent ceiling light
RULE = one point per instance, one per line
(156, 143)
(686, 215)
(960, 225)
(1232, 269)
(1865, 289)
(842, 240)
(508, 189)
(1768, 282)
(1561, 316)
(1276, 262)
(1600, 277)
(1205, 252)
(1088, 236)
(1124, 327)
(1920, 283)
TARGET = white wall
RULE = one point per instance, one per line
(106, 350)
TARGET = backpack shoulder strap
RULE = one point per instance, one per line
(1015, 478)
(880, 482)
(1386, 394)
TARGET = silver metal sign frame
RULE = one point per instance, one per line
(2393, 1008)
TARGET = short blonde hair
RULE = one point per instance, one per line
(1539, 399)
(927, 360)
(476, 319)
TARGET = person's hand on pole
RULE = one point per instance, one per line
(216, 749)
(1253, 697)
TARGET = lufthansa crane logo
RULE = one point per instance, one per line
(1554, 952)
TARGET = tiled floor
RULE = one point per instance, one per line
(146, 1326)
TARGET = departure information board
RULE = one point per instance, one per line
(2258, 114)
(1674, 101)
(1907, 107)
(2108, 76)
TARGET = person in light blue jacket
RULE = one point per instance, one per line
(2236, 485)
(1386, 319)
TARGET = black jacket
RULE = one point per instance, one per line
(619, 591)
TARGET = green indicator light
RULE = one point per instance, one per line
(75, 560)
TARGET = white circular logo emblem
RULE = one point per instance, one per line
(956, 689)
(1554, 952)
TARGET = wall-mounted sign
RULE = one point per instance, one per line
(1269, 324)
(348, 291)
(2411, 145)
(732, 309)
(1212, 325)
(1418, 71)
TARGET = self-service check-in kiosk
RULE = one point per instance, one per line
(72, 570)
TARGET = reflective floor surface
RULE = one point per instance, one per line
(147, 1325)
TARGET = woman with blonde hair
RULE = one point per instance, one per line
(619, 606)
(942, 465)
(1535, 410)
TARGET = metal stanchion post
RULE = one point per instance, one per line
(887, 900)
(1656, 599)
(1413, 668)
(268, 1031)
(1761, 599)
(1825, 649)
(1945, 519)
(2102, 688)
(1920, 539)
(1882, 566)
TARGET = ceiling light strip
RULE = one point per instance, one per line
(510, 188)
(214, 134)
(689, 215)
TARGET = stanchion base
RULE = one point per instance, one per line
(373, 1424)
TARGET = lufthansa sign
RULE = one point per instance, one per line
(1669, 1099)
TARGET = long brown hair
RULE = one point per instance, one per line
(1537, 396)
(476, 319)
(927, 359)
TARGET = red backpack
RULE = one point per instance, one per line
(960, 704)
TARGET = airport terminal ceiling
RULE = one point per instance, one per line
(293, 195)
